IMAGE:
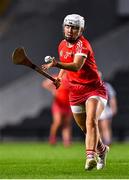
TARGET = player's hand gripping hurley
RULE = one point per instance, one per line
(19, 57)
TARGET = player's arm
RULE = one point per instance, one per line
(48, 85)
(76, 65)
(73, 66)
(57, 83)
(61, 73)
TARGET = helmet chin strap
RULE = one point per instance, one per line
(71, 40)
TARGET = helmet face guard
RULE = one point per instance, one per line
(72, 22)
(76, 21)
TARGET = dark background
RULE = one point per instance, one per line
(37, 25)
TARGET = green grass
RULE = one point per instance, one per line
(41, 161)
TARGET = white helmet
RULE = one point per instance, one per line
(82, 21)
(74, 20)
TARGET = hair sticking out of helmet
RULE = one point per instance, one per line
(74, 20)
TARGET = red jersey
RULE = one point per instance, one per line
(61, 100)
(87, 80)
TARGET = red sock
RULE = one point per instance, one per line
(90, 153)
(52, 140)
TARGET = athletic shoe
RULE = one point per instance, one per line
(101, 162)
(90, 163)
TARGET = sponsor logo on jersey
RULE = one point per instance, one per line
(61, 53)
(68, 54)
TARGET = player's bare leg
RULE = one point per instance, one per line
(106, 131)
(67, 131)
(94, 142)
(102, 150)
(66, 135)
(54, 128)
(92, 108)
(80, 119)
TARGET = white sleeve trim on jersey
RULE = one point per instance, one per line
(81, 54)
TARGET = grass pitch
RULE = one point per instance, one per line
(42, 161)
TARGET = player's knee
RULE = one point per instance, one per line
(91, 123)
